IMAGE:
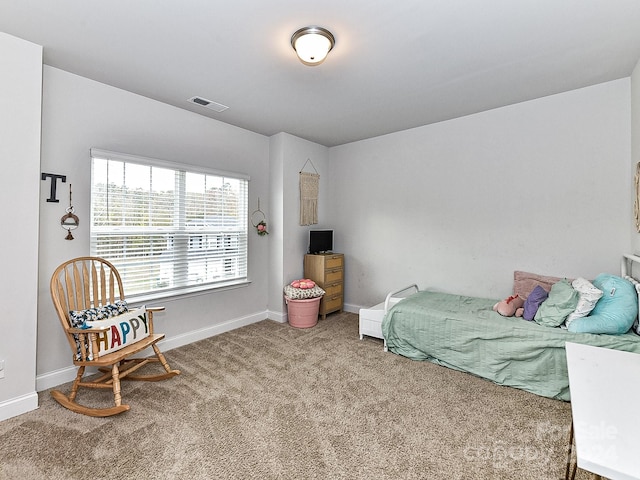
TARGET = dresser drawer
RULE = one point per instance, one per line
(332, 303)
(333, 262)
(333, 289)
(334, 275)
(327, 270)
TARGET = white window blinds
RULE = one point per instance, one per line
(168, 228)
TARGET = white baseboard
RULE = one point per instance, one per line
(194, 336)
(280, 317)
(67, 374)
(351, 308)
(58, 377)
(18, 406)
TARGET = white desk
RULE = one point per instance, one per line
(605, 398)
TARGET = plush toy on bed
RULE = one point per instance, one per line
(510, 306)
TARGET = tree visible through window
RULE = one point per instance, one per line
(168, 227)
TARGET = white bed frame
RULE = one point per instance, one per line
(626, 267)
(371, 318)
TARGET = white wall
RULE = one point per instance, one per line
(290, 240)
(20, 104)
(457, 205)
(79, 114)
(635, 145)
(540, 186)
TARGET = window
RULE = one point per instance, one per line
(168, 228)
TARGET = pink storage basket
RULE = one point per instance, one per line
(303, 313)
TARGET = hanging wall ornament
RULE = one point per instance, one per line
(259, 221)
(309, 188)
(69, 221)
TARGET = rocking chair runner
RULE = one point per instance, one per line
(91, 282)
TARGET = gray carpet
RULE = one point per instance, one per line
(269, 401)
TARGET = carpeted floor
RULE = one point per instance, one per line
(269, 401)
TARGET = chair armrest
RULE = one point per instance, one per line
(150, 311)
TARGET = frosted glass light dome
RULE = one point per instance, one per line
(312, 44)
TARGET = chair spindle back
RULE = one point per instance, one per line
(82, 283)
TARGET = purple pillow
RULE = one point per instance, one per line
(533, 302)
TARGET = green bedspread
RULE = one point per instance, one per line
(465, 333)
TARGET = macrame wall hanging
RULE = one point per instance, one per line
(309, 188)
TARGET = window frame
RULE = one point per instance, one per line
(241, 235)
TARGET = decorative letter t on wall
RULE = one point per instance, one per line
(54, 183)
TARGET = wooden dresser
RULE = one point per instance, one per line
(327, 270)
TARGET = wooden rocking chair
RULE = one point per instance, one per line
(94, 283)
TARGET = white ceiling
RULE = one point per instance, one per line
(396, 64)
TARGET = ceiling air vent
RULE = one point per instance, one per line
(203, 102)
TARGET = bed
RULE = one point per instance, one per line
(466, 334)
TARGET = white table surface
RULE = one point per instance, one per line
(605, 403)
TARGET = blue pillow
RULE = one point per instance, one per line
(615, 312)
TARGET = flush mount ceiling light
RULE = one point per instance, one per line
(312, 44)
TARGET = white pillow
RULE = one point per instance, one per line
(121, 330)
(589, 296)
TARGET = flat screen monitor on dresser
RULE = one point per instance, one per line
(320, 241)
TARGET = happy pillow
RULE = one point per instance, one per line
(615, 312)
(121, 330)
(79, 319)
